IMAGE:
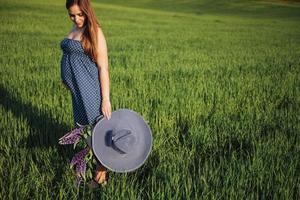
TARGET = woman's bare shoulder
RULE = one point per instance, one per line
(72, 32)
(100, 32)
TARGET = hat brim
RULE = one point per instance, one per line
(108, 156)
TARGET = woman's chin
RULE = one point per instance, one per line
(79, 25)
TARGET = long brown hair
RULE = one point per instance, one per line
(89, 36)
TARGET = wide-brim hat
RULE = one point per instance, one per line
(122, 143)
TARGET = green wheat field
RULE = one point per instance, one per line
(217, 81)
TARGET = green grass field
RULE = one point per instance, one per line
(217, 81)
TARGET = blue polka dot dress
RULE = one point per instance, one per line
(80, 74)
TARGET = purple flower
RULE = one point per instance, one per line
(71, 137)
(81, 167)
(79, 157)
(80, 164)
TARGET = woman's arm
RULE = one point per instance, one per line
(102, 63)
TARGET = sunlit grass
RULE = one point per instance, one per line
(219, 89)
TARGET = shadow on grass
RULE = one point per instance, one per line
(44, 130)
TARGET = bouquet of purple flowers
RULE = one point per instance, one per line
(84, 162)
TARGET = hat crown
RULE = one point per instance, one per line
(123, 140)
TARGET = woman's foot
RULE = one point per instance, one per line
(100, 178)
(101, 175)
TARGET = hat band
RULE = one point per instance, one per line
(123, 141)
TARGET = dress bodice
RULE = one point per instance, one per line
(70, 46)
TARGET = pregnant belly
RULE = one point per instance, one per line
(66, 73)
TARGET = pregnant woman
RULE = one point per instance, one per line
(84, 69)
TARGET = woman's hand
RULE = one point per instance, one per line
(106, 108)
